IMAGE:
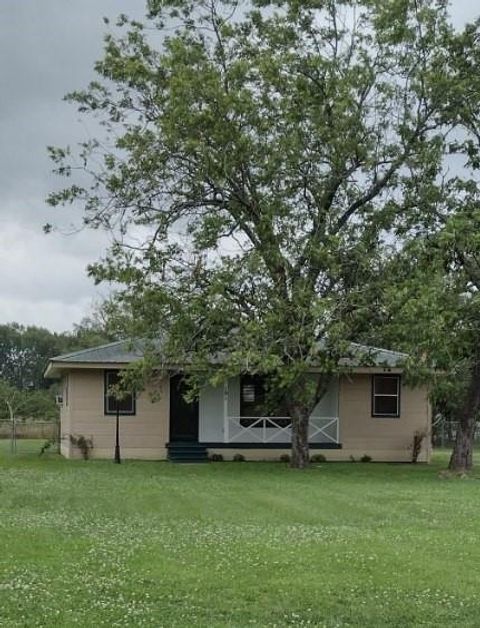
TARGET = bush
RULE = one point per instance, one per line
(85, 445)
(48, 444)
(366, 458)
(285, 458)
(216, 458)
(318, 458)
(418, 437)
(238, 458)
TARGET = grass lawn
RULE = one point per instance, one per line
(236, 544)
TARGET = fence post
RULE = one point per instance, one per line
(14, 435)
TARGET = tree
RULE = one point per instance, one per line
(24, 352)
(432, 313)
(441, 277)
(256, 166)
(92, 330)
(461, 231)
(26, 404)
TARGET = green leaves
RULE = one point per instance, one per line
(259, 166)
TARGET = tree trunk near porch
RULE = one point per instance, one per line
(461, 459)
(300, 458)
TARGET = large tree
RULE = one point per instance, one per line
(257, 161)
(460, 232)
(435, 310)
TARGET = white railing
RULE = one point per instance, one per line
(263, 429)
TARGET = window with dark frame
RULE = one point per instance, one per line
(252, 405)
(386, 396)
(126, 405)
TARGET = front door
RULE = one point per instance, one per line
(183, 415)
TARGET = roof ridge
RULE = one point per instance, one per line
(359, 344)
(83, 351)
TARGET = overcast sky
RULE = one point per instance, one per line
(47, 48)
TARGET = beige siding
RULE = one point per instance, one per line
(146, 434)
(386, 439)
(143, 435)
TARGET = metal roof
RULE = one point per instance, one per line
(364, 355)
(122, 351)
(126, 351)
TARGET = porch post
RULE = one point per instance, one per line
(226, 435)
(338, 408)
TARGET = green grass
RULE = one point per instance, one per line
(22, 445)
(236, 544)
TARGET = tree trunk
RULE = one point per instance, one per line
(461, 459)
(462, 455)
(301, 407)
(300, 451)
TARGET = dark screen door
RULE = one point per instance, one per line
(183, 415)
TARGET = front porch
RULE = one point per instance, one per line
(276, 431)
(218, 420)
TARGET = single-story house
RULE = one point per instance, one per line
(368, 412)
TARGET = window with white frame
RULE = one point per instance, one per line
(126, 405)
(386, 396)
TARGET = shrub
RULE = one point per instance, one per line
(48, 444)
(418, 437)
(285, 458)
(216, 458)
(85, 445)
(238, 458)
(318, 458)
(366, 458)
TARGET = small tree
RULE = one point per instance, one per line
(260, 158)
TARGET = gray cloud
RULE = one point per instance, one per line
(48, 48)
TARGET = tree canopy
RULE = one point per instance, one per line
(24, 354)
(261, 166)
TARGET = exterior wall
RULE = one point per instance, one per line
(142, 436)
(384, 439)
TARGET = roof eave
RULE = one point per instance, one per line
(55, 368)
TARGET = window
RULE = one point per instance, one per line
(252, 404)
(126, 405)
(386, 396)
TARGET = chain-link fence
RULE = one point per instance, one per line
(444, 433)
(19, 436)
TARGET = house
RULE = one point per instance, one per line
(369, 411)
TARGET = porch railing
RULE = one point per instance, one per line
(269, 429)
